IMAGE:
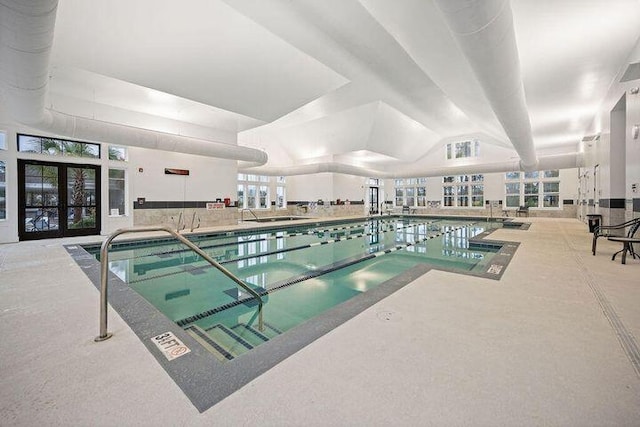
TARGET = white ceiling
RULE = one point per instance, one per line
(374, 81)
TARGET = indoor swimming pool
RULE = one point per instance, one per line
(300, 271)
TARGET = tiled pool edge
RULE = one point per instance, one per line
(501, 259)
(200, 375)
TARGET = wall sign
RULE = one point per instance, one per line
(174, 171)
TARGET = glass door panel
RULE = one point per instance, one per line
(81, 198)
(58, 199)
(373, 200)
(41, 199)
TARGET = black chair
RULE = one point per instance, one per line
(606, 230)
(523, 210)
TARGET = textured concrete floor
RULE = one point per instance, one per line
(540, 347)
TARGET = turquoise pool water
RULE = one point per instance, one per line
(301, 271)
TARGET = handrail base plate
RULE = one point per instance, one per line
(104, 338)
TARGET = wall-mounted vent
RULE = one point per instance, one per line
(632, 72)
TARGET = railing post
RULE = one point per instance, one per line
(104, 278)
(104, 274)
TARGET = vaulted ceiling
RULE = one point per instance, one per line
(370, 81)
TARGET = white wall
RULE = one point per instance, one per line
(310, 187)
(208, 178)
(349, 187)
(633, 146)
(627, 149)
(434, 189)
(494, 186)
(569, 184)
(9, 226)
(617, 141)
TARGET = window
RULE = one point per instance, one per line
(116, 192)
(538, 189)
(463, 191)
(3, 140)
(410, 196)
(399, 196)
(422, 196)
(281, 193)
(281, 199)
(411, 192)
(255, 191)
(512, 195)
(117, 153)
(464, 149)
(3, 191)
(513, 175)
(241, 201)
(531, 194)
(264, 197)
(251, 197)
(551, 194)
(57, 147)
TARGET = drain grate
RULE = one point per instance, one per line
(626, 339)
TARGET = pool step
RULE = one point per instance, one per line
(229, 340)
(208, 343)
(227, 343)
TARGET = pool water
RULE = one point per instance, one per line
(301, 271)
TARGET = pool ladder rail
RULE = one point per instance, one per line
(194, 217)
(247, 209)
(104, 273)
(180, 225)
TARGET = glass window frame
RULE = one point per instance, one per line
(463, 191)
(261, 185)
(410, 192)
(281, 197)
(62, 144)
(117, 149)
(533, 189)
(462, 149)
(124, 204)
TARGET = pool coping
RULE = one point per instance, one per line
(206, 380)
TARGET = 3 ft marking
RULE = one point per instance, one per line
(170, 345)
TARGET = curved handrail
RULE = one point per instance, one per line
(104, 273)
(193, 220)
(180, 223)
(247, 209)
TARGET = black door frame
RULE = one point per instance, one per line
(374, 206)
(63, 203)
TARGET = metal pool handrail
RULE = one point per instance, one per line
(193, 220)
(242, 214)
(104, 273)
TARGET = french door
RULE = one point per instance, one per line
(57, 199)
(373, 200)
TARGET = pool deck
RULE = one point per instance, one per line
(554, 342)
